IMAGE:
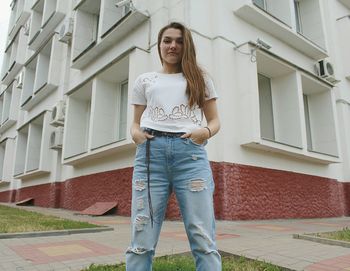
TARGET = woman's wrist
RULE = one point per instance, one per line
(208, 131)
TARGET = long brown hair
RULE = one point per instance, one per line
(189, 67)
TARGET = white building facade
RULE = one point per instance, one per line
(281, 69)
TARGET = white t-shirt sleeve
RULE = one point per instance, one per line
(138, 92)
(210, 92)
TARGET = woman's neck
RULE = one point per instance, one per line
(171, 69)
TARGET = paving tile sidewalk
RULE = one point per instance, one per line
(269, 240)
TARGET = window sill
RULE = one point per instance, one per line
(257, 17)
(119, 146)
(6, 125)
(39, 95)
(299, 153)
(120, 30)
(31, 174)
(11, 73)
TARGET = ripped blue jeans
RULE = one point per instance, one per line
(179, 165)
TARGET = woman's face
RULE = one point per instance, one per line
(171, 47)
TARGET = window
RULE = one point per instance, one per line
(9, 107)
(21, 150)
(14, 57)
(266, 110)
(279, 9)
(6, 105)
(19, 15)
(78, 121)
(110, 111)
(46, 15)
(278, 102)
(48, 11)
(37, 16)
(297, 16)
(319, 117)
(42, 73)
(34, 144)
(300, 25)
(42, 67)
(28, 83)
(86, 27)
(111, 16)
(19, 9)
(308, 21)
(98, 25)
(6, 161)
(97, 115)
(285, 109)
(123, 105)
(32, 147)
(307, 122)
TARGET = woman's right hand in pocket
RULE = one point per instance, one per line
(140, 137)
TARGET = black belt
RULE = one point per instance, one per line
(161, 133)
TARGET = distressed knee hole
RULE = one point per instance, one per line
(140, 222)
(140, 203)
(197, 185)
(140, 185)
(137, 250)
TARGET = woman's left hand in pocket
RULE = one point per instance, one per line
(198, 136)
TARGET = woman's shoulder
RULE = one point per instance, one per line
(208, 80)
(147, 75)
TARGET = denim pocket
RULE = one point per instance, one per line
(197, 144)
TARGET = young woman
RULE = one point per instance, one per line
(168, 129)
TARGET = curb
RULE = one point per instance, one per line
(322, 240)
(53, 233)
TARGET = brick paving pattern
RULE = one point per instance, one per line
(269, 240)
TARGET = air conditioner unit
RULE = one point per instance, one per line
(19, 80)
(66, 31)
(58, 114)
(325, 70)
(56, 138)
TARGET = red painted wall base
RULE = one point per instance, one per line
(242, 192)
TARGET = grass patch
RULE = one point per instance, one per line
(185, 263)
(17, 220)
(342, 235)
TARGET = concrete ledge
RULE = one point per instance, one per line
(322, 240)
(53, 233)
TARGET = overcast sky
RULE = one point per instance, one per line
(4, 18)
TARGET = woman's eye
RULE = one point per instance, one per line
(166, 41)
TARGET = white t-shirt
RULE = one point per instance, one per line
(166, 102)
